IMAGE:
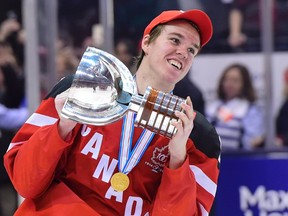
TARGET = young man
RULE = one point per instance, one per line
(65, 168)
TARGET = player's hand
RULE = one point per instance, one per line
(65, 125)
(185, 124)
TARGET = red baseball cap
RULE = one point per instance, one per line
(198, 17)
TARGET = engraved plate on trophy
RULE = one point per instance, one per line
(103, 90)
(155, 110)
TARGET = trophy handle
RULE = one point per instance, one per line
(155, 110)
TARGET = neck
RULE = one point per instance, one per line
(143, 80)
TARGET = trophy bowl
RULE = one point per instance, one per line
(101, 89)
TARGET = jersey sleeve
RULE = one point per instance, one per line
(191, 189)
(35, 151)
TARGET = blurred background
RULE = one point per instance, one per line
(43, 40)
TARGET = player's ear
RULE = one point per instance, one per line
(145, 43)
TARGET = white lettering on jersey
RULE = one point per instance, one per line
(93, 145)
(105, 168)
(134, 204)
(138, 204)
(111, 192)
(85, 130)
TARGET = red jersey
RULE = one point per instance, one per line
(72, 177)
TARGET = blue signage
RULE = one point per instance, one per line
(253, 185)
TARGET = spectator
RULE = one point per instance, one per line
(66, 62)
(244, 25)
(12, 115)
(10, 8)
(281, 119)
(11, 32)
(237, 117)
(125, 51)
(220, 19)
(12, 118)
(77, 18)
(13, 112)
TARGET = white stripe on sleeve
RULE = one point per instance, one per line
(14, 144)
(203, 210)
(203, 180)
(40, 120)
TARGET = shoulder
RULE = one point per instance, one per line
(61, 86)
(205, 137)
(212, 107)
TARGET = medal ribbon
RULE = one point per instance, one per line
(129, 159)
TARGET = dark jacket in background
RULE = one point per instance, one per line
(186, 88)
(282, 123)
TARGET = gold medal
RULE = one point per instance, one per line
(119, 182)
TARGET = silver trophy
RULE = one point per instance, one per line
(103, 91)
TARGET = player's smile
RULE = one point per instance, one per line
(175, 63)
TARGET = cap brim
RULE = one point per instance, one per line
(198, 17)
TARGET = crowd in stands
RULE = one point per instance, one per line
(13, 110)
(236, 23)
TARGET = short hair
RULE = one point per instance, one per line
(153, 35)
